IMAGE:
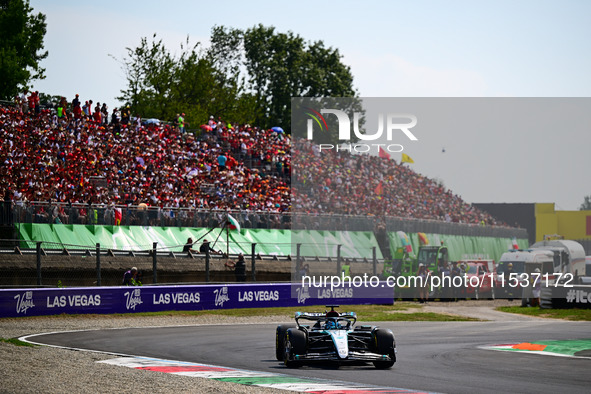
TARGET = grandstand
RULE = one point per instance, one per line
(83, 170)
(67, 165)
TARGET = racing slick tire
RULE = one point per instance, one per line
(294, 343)
(384, 343)
(279, 338)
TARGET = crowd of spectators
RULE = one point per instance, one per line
(66, 156)
(78, 153)
(352, 184)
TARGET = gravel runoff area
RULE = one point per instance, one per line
(53, 370)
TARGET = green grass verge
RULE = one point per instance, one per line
(415, 316)
(400, 311)
(365, 313)
(16, 342)
(566, 314)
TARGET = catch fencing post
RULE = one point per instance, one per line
(339, 260)
(98, 264)
(154, 263)
(375, 261)
(38, 263)
(207, 265)
(254, 276)
(298, 259)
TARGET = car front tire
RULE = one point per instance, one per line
(279, 338)
(385, 344)
(295, 344)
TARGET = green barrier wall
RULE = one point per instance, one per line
(462, 247)
(355, 244)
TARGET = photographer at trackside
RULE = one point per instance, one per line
(205, 247)
(239, 268)
(130, 278)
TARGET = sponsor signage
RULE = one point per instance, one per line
(124, 299)
(578, 296)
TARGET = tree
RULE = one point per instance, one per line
(279, 66)
(162, 85)
(248, 76)
(586, 205)
(150, 72)
(21, 46)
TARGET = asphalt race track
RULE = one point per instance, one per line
(432, 356)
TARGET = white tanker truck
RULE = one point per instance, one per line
(557, 260)
(568, 257)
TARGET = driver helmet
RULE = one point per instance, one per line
(330, 325)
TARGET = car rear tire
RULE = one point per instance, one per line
(279, 338)
(295, 344)
(385, 344)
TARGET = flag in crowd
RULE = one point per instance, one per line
(406, 159)
(379, 190)
(233, 223)
(405, 241)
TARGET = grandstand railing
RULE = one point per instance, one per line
(14, 213)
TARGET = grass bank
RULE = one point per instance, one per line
(401, 311)
(565, 314)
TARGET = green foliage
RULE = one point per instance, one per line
(279, 66)
(246, 75)
(301, 113)
(47, 99)
(162, 85)
(586, 205)
(21, 46)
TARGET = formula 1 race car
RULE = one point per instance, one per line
(332, 338)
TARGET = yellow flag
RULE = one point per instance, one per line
(406, 159)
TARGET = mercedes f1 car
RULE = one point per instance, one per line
(332, 337)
